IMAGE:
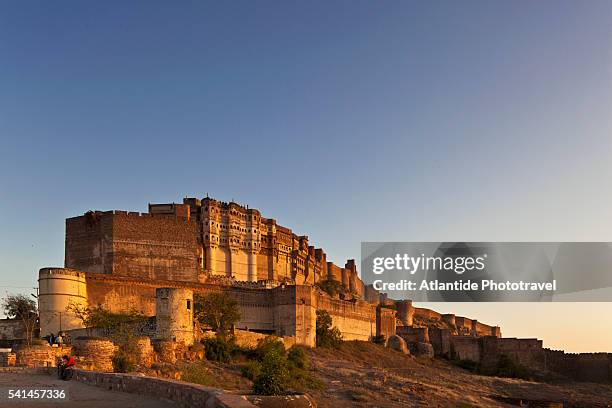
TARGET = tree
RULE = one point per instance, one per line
(274, 376)
(23, 308)
(327, 336)
(118, 324)
(216, 310)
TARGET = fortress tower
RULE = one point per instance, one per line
(174, 315)
(58, 288)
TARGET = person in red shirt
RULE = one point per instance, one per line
(65, 368)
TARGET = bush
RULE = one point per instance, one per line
(218, 349)
(196, 373)
(507, 367)
(274, 376)
(297, 358)
(327, 336)
(123, 363)
(269, 344)
(251, 370)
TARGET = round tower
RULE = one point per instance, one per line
(405, 312)
(58, 288)
(174, 314)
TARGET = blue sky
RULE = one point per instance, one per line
(346, 121)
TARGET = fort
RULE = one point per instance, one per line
(157, 261)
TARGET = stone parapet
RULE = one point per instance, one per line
(181, 393)
(7, 359)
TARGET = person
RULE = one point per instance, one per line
(66, 367)
(51, 339)
(59, 340)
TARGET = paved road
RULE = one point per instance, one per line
(79, 395)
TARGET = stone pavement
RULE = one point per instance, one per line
(79, 395)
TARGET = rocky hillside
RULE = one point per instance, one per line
(368, 375)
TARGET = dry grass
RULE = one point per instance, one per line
(367, 375)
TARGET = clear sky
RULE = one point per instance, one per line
(347, 121)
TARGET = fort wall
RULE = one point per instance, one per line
(284, 310)
(133, 244)
(195, 241)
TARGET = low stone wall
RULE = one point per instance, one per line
(165, 350)
(7, 359)
(95, 354)
(144, 352)
(35, 356)
(183, 394)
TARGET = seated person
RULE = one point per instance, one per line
(65, 368)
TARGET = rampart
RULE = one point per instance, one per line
(284, 310)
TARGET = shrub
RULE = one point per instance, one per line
(327, 336)
(507, 367)
(123, 363)
(196, 373)
(297, 358)
(218, 349)
(251, 370)
(274, 376)
(269, 344)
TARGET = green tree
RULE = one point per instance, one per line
(115, 324)
(273, 378)
(216, 310)
(23, 308)
(269, 344)
(327, 335)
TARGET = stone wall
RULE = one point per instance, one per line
(592, 367)
(95, 354)
(414, 334)
(11, 329)
(286, 310)
(133, 244)
(35, 356)
(457, 324)
(8, 359)
(527, 352)
(144, 352)
(440, 339)
(181, 393)
(466, 348)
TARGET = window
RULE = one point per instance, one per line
(188, 304)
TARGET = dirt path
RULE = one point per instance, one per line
(79, 395)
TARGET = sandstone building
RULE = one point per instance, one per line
(120, 260)
(196, 241)
(157, 261)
